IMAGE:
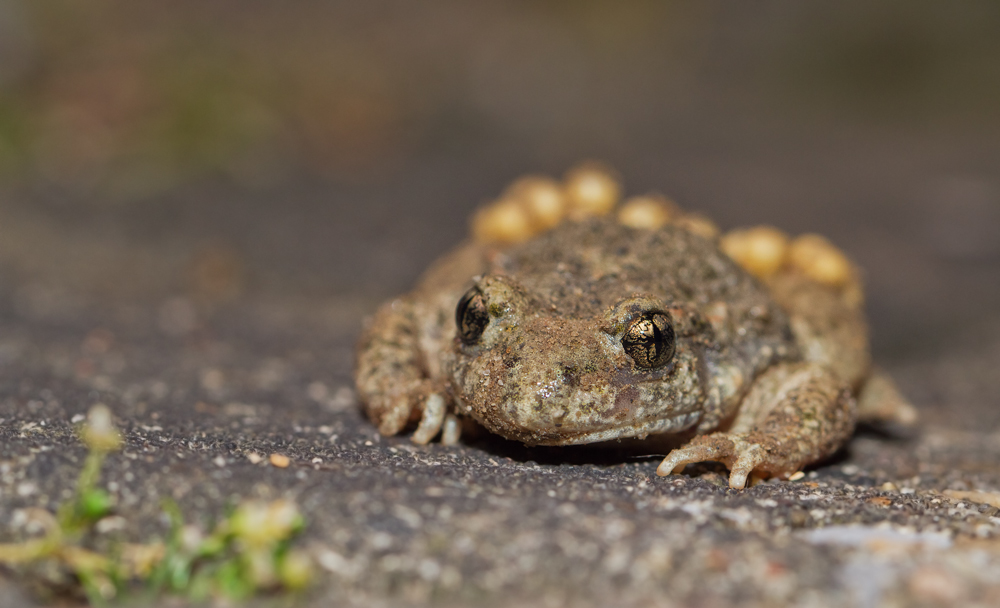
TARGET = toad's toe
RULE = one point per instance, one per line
(393, 416)
(431, 420)
(750, 456)
(687, 455)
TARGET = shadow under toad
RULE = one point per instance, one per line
(650, 450)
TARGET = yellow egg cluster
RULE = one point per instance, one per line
(536, 203)
(764, 250)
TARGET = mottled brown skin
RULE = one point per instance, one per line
(765, 374)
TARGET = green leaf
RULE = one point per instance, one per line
(94, 504)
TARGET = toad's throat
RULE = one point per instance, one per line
(559, 435)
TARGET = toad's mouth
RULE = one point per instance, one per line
(532, 424)
(675, 424)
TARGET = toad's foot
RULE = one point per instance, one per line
(881, 401)
(393, 381)
(427, 407)
(735, 451)
(795, 414)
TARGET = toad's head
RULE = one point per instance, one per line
(529, 372)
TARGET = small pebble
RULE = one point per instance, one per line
(280, 460)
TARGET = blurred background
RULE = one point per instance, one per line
(167, 164)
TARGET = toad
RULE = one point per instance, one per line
(564, 322)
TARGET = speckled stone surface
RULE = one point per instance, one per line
(95, 307)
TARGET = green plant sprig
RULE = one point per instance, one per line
(246, 552)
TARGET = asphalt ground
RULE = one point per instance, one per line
(218, 325)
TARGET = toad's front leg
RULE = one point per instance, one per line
(794, 415)
(393, 379)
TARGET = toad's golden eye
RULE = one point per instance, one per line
(649, 340)
(471, 315)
